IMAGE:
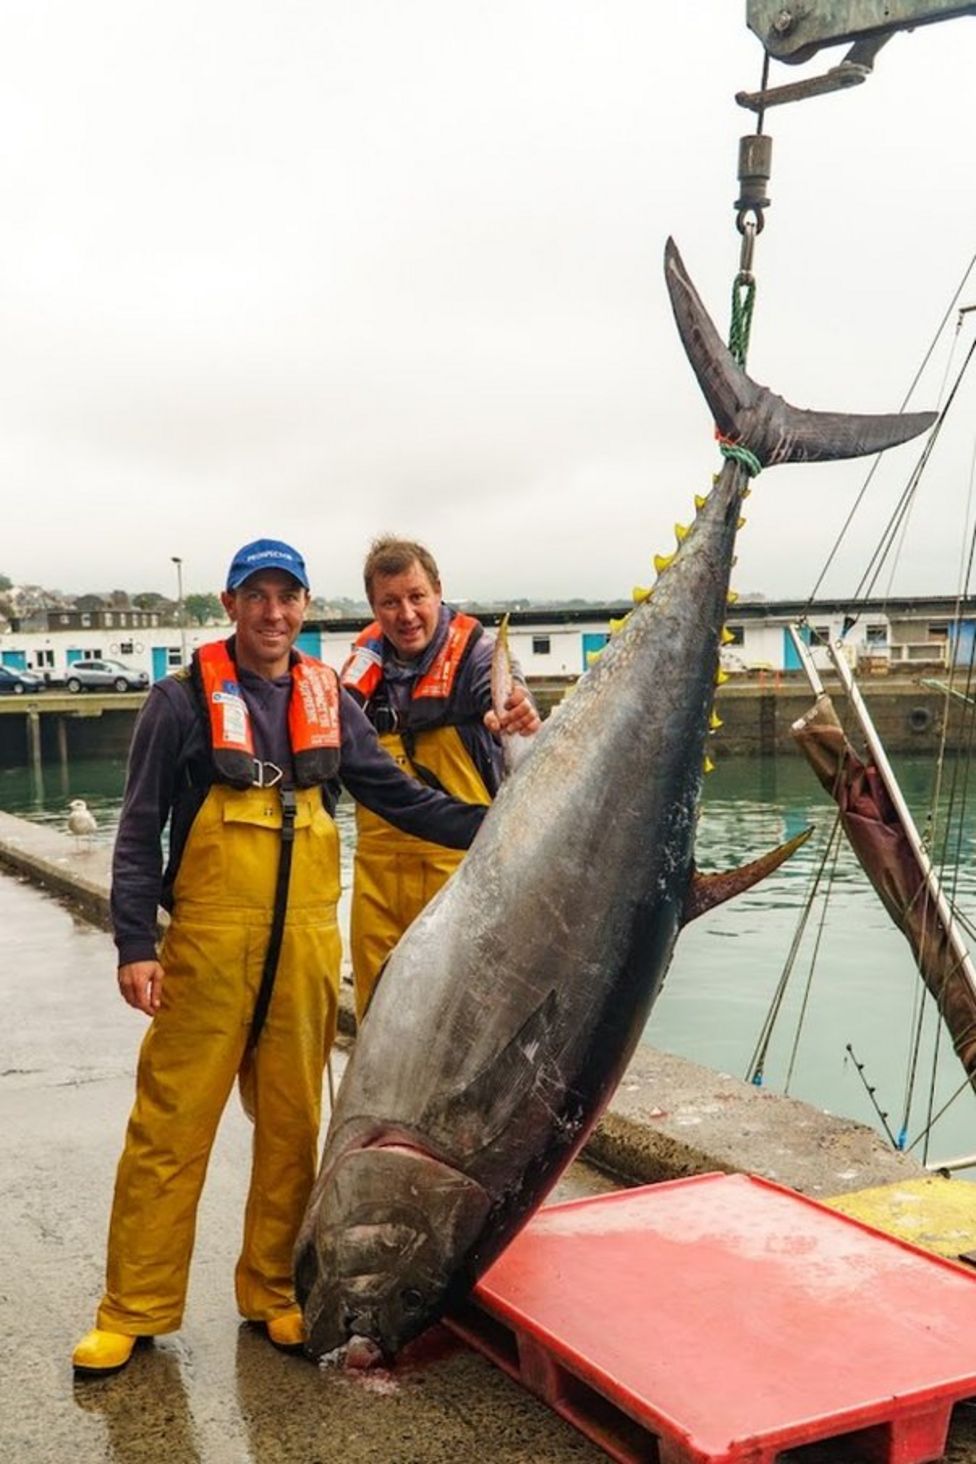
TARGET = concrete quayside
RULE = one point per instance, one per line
(215, 1391)
(757, 710)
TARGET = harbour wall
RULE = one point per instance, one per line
(757, 713)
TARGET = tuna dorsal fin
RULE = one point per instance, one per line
(470, 1117)
(708, 890)
(755, 416)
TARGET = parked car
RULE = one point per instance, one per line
(17, 681)
(91, 675)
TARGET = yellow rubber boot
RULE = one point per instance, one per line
(287, 1331)
(101, 1352)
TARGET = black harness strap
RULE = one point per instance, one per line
(201, 779)
(273, 951)
(409, 740)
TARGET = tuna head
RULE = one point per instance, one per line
(384, 1238)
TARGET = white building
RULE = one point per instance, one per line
(548, 643)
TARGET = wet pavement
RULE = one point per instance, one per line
(216, 1392)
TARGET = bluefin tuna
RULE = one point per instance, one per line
(508, 1012)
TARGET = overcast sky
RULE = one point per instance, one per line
(322, 270)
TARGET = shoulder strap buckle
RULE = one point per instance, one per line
(266, 774)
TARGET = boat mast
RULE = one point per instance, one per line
(964, 967)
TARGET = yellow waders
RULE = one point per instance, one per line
(395, 874)
(212, 956)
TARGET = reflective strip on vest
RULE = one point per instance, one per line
(314, 726)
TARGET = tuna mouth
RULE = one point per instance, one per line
(394, 1227)
(396, 1146)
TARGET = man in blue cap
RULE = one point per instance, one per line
(242, 753)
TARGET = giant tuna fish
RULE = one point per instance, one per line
(508, 1012)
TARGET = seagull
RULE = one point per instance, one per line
(81, 821)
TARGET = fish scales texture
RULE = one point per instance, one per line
(601, 788)
(509, 1010)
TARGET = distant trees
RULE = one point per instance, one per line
(5, 584)
(148, 600)
(200, 609)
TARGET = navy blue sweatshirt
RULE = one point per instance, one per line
(169, 742)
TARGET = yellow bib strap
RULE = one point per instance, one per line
(443, 753)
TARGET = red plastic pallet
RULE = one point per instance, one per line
(722, 1319)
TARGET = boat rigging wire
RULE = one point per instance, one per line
(872, 573)
(952, 858)
(957, 800)
(943, 1110)
(821, 926)
(874, 466)
(754, 172)
(757, 1063)
(896, 556)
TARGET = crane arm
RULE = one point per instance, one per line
(794, 30)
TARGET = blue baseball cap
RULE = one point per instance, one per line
(266, 554)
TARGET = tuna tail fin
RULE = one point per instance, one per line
(705, 891)
(753, 415)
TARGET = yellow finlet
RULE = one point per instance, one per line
(708, 766)
(681, 532)
(721, 677)
(740, 524)
(699, 502)
(731, 597)
(715, 721)
(592, 657)
(641, 593)
(662, 562)
(727, 636)
(617, 625)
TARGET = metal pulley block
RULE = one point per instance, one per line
(755, 166)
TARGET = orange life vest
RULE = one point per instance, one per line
(314, 728)
(431, 693)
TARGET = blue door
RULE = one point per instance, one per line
(791, 658)
(963, 643)
(160, 662)
(72, 656)
(593, 641)
(310, 642)
(16, 659)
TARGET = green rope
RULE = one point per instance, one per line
(743, 299)
(741, 455)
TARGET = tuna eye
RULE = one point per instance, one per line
(412, 1300)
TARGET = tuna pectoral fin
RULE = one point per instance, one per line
(745, 412)
(471, 1117)
(708, 890)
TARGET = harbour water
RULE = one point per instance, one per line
(853, 983)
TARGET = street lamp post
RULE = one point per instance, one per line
(179, 604)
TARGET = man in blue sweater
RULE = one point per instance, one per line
(243, 755)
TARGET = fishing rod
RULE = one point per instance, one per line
(882, 1113)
